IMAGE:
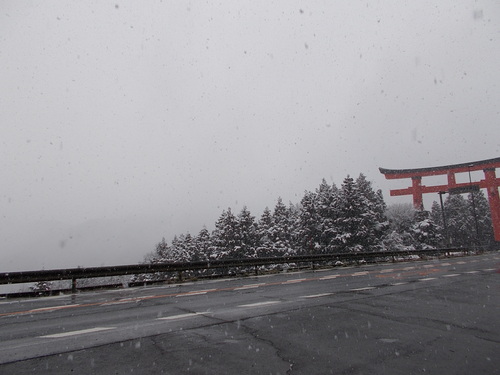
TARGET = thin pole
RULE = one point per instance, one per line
(474, 210)
(445, 225)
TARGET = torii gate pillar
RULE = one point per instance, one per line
(491, 183)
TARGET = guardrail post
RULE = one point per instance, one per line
(179, 275)
(73, 285)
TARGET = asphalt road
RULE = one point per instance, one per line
(432, 317)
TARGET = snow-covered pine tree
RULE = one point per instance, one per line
(225, 236)
(356, 221)
(202, 242)
(309, 225)
(327, 206)
(483, 216)
(401, 218)
(280, 231)
(460, 221)
(264, 235)
(247, 238)
(349, 221)
(425, 232)
(182, 248)
(293, 228)
(375, 209)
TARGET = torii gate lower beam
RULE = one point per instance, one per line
(490, 183)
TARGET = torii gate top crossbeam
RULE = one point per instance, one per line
(392, 174)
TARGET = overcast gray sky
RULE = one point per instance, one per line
(125, 121)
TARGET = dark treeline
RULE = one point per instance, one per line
(331, 219)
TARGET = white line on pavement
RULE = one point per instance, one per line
(259, 304)
(452, 275)
(52, 308)
(80, 332)
(387, 270)
(181, 316)
(329, 277)
(317, 295)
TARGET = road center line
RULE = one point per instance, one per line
(182, 316)
(329, 277)
(317, 295)
(452, 275)
(427, 279)
(257, 304)
(361, 289)
(294, 281)
(360, 273)
(387, 270)
(80, 332)
(52, 308)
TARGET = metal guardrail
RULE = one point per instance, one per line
(94, 272)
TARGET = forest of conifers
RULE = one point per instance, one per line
(350, 218)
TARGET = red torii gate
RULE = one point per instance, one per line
(490, 183)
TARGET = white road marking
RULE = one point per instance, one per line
(52, 308)
(361, 289)
(461, 262)
(259, 304)
(401, 283)
(116, 303)
(80, 332)
(249, 286)
(329, 277)
(472, 272)
(294, 281)
(488, 269)
(182, 316)
(195, 293)
(408, 268)
(317, 295)
(452, 275)
(427, 279)
(360, 273)
(387, 270)
(445, 264)
(428, 265)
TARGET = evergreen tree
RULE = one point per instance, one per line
(348, 221)
(203, 245)
(225, 237)
(481, 209)
(356, 221)
(327, 205)
(264, 235)
(375, 209)
(280, 231)
(247, 236)
(425, 232)
(310, 224)
(459, 220)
